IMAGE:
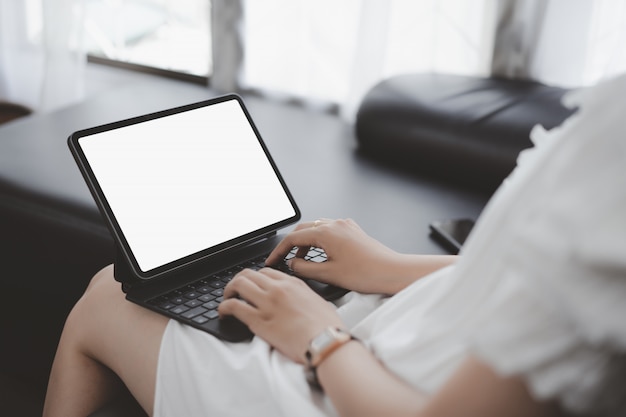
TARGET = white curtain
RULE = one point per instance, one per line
(327, 50)
(41, 56)
(568, 43)
(334, 51)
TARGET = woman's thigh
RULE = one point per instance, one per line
(121, 335)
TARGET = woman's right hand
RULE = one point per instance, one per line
(356, 261)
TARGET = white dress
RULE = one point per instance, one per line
(539, 291)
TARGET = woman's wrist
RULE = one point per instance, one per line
(321, 347)
(357, 383)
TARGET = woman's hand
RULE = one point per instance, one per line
(356, 261)
(279, 308)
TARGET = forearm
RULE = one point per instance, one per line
(405, 269)
(359, 385)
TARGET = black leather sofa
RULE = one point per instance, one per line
(466, 130)
(423, 147)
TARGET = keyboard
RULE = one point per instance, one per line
(197, 302)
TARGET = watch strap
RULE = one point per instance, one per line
(316, 356)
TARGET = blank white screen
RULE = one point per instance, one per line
(183, 183)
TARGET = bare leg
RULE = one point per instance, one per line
(105, 339)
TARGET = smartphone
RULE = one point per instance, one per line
(452, 233)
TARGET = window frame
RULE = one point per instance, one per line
(152, 70)
(146, 69)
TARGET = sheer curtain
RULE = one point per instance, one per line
(325, 51)
(569, 43)
(330, 51)
(41, 58)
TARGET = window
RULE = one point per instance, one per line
(301, 48)
(329, 52)
(171, 35)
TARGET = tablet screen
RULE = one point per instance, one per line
(181, 184)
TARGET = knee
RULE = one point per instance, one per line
(102, 294)
(104, 274)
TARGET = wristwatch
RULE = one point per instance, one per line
(320, 347)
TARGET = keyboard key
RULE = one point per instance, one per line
(247, 264)
(218, 293)
(177, 300)
(179, 309)
(200, 319)
(204, 289)
(167, 305)
(211, 314)
(316, 253)
(206, 297)
(193, 303)
(194, 312)
(210, 305)
(192, 294)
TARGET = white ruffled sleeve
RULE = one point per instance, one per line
(575, 360)
(557, 313)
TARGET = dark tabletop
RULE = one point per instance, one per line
(316, 153)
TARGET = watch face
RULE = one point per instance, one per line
(322, 340)
(325, 343)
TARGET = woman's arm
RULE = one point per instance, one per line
(356, 261)
(406, 269)
(359, 385)
(286, 313)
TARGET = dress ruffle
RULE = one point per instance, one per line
(560, 357)
(557, 312)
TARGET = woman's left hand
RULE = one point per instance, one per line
(279, 308)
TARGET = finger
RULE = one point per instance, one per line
(239, 309)
(308, 269)
(304, 237)
(274, 275)
(302, 226)
(311, 224)
(245, 285)
(302, 251)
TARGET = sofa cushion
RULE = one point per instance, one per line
(466, 129)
